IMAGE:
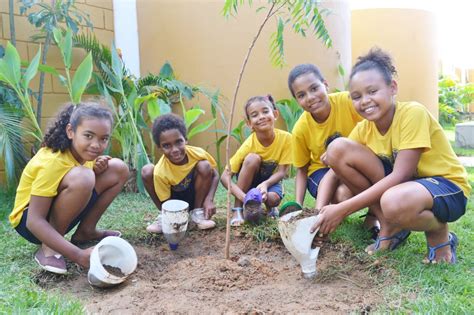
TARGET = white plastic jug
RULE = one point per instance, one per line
(174, 221)
(295, 235)
(115, 252)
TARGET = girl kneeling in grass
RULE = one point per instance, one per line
(398, 161)
(68, 182)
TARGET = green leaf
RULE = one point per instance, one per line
(192, 115)
(67, 49)
(165, 108)
(166, 71)
(81, 78)
(10, 69)
(116, 64)
(31, 70)
(340, 69)
(153, 108)
(200, 128)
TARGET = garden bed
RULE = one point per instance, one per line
(260, 277)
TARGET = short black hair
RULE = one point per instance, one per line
(377, 59)
(167, 122)
(301, 69)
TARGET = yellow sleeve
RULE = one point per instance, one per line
(286, 157)
(415, 129)
(301, 153)
(239, 156)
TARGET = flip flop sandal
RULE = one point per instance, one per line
(239, 220)
(395, 240)
(452, 242)
(104, 235)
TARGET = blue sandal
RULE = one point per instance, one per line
(452, 242)
(396, 239)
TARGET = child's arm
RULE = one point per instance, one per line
(226, 177)
(208, 204)
(403, 170)
(38, 225)
(301, 182)
(326, 189)
(277, 176)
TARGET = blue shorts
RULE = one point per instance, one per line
(185, 190)
(23, 230)
(449, 202)
(314, 179)
(276, 188)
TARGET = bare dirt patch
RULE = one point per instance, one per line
(260, 278)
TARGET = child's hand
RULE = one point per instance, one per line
(101, 164)
(264, 190)
(84, 258)
(328, 220)
(209, 209)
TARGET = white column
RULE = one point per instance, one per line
(126, 33)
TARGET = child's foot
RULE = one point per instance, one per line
(237, 217)
(54, 263)
(197, 216)
(443, 252)
(96, 236)
(387, 242)
(372, 225)
(156, 226)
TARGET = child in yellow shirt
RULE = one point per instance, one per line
(68, 183)
(399, 161)
(261, 161)
(183, 172)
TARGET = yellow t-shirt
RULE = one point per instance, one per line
(414, 127)
(41, 177)
(167, 174)
(277, 153)
(310, 139)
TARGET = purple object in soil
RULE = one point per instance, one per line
(254, 195)
(173, 246)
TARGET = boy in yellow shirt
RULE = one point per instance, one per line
(183, 172)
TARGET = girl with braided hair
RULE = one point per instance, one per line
(67, 183)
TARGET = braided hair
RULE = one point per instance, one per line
(267, 98)
(377, 59)
(300, 70)
(167, 122)
(56, 137)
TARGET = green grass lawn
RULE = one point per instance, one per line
(414, 287)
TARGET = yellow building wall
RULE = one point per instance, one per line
(205, 48)
(409, 35)
(101, 15)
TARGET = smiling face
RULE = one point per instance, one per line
(373, 98)
(261, 116)
(90, 138)
(311, 94)
(173, 144)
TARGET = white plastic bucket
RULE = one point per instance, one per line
(115, 252)
(295, 235)
(174, 221)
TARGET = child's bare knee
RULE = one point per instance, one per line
(336, 150)
(203, 167)
(147, 172)
(119, 167)
(390, 204)
(252, 159)
(80, 177)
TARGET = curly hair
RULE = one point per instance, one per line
(56, 137)
(254, 99)
(300, 70)
(377, 59)
(167, 122)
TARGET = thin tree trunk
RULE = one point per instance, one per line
(39, 106)
(12, 22)
(229, 127)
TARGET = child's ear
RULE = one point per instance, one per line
(247, 122)
(276, 113)
(394, 87)
(69, 131)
